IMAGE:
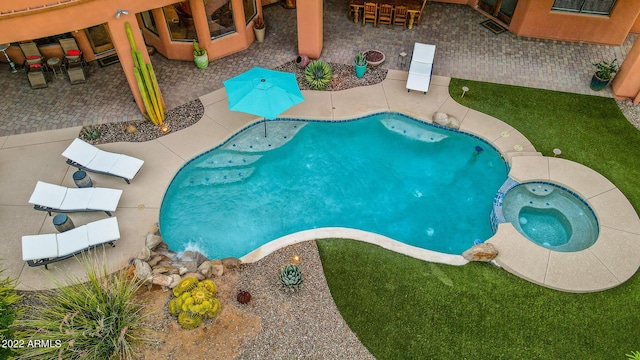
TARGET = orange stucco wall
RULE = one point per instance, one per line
(534, 18)
(310, 25)
(626, 84)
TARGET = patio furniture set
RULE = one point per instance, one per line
(405, 13)
(73, 65)
(45, 249)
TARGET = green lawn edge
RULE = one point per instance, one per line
(404, 308)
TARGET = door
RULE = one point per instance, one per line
(99, 38)
(501, 9)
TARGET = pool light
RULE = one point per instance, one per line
(165, 129)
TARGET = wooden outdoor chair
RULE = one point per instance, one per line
(385, 16)
(400, 16)
(419, 15)
(370, 13)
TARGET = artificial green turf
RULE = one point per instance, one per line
(590, 130)
(404, 308)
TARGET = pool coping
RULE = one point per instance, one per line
(36, 156)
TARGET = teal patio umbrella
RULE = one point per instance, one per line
(263, 92)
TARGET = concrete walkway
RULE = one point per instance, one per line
(465, 50)
(31, 157)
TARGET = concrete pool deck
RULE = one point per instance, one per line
(31, 157)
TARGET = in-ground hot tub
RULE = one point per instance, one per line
(549, 215)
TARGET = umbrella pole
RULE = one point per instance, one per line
(265, 127)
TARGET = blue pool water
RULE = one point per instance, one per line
(551, 216)
(420, 184)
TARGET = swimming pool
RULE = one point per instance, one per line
(389, 174)
(551, 216)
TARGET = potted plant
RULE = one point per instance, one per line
(604, 74)
(361, 65)
(200, 56)
(259, 28)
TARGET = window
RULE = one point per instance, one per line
(599, 7)
(220, 17)
(249, 10)
(180, 21)
(149, 22)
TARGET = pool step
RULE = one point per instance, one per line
(228, 159)
(252, 139)
(217, 177)
(412, 130)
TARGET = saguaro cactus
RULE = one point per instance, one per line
(147, 83)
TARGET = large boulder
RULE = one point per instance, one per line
(169, 270)
(175, 280)
(162, 280)
(481, 252)
(440, 118)
(153, 241)
(196, 275)
(194, 256)
(142, 270)
(206, 269)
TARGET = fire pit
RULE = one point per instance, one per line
(374, 57)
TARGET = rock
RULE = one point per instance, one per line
(153, 241)
(231, 262)
(165, 263)
(481, 252)
(206, 269)
(194, 256)
(161, 279)
(142, 271)
(165, 270)
(629, 102)
(155, 230)
(162, 248)
(144, 254)
(183, 270)
(454, 123)
(217, 269)
(195, 275)
(130, 129)
(441, 118)
(191, 266)
(155, 260)
(175, 280)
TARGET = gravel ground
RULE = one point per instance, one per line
(296, 325)
(630, 111)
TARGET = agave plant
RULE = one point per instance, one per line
(291, 276)
(361, 60)
(318, 75)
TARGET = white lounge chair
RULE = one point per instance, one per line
(421, 67)
(55, 198)
(85, 156)
(45, 249)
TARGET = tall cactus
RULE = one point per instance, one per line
(147, 83)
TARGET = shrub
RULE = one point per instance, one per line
(96, 319)
(318, 75)
(605, 70)
(9, 311)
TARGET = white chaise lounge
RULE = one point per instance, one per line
(55, 198)
(85, 156)
(45, 249)
(421, 67)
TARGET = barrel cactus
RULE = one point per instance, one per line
(194, 301)
(291, 276)
(188, 320)
(186, 284)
